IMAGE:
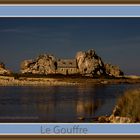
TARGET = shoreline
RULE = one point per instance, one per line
(65, 81)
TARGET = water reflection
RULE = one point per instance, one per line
(86, 104)
(58, 103)
(87, 108)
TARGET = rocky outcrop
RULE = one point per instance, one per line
(113, 70)
(3, 70)
(44, 64)
(118, 119)
(115, 118)
(89, 63)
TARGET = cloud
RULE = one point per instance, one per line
(9, 30)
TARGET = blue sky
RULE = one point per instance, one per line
(116, 40)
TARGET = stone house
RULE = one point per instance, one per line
(67, 66)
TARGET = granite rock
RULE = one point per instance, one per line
(112, 70)
(43, 64)
(89, 63)
(3, 69)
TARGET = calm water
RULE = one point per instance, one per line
(58, 103)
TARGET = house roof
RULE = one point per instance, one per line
(66, 63)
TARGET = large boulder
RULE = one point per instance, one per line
(89, 63)
(3, 70)
(113, 70)
(116, 118)
(43, 64)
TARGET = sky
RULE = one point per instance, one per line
(115, 40)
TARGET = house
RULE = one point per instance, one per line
(67, 66)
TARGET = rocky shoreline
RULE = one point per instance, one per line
(86, 68)
(65, 81)
(113, 118)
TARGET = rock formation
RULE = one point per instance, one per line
(3, 70)
(87, 63)
(44, 64)
(115, 118)
(113, 70)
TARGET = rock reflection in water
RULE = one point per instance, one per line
(86, 106)
(57, 103)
